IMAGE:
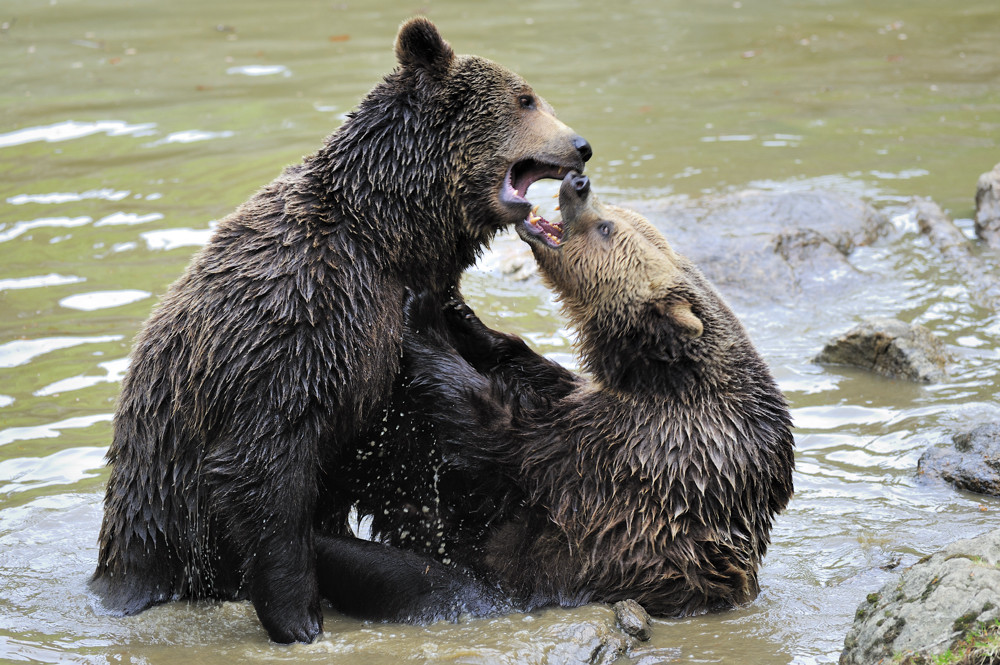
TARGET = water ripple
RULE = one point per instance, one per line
(36, 281)
(260, 70)
(50, 430)
(115, 371)
(88, 302)
(69, 197)
(127, 219)
(167, 239)
(65, 467)
(21, 351)
(43, 222)
(70, 129)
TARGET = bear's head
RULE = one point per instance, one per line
(499, 135)
(633, 299)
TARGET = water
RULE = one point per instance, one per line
(126, 128)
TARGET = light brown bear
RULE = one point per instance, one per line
(657, 478)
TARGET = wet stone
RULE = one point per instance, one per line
(891, 348)
(771, 246)
(988, 207)
(972, 463)
(978, 271)
(588, 635)
(930, 608)
(633, 619)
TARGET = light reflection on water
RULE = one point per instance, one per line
(120, 148)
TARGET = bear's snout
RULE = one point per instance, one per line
(583, 147)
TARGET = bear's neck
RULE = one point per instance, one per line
(633, 364)
(388, 175)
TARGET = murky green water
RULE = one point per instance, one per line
(126, 127)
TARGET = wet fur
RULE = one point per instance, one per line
(656, 479)
(270, 358)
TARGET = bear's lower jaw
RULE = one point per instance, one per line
(536, 229)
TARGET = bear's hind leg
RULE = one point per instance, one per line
(377, 582)
(267, 510)
(130, 594)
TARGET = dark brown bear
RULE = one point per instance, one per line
(656, 479)
(278, 347)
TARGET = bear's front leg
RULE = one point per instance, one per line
(506, 357)
(284, 590)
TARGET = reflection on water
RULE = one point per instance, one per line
(126, 131)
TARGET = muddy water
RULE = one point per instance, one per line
(126, 128)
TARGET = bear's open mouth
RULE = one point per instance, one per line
(550, 232)
(520, 176)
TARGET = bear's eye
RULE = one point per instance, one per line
(526, 101)
(605, 228)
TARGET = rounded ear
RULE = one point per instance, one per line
(680, 314)
(419, 45)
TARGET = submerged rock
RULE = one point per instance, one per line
(595, 634)
(981, 277)
(988, 207)
(933, 607)
(889, 347)
(972, 464)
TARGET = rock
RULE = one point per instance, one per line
(889, 347)
(973, 463)
(765, 246)
(981, 276)
(588, 635)
(933, 607)
(988, 207)
(633, 619)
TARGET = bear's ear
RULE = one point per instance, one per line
(680, 314)
(419, 45)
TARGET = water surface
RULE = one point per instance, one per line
(127, 128)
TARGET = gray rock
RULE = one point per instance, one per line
(931, 608)
(588, 635)
(982, 277)
(765, 246)
(633, 619)
(972, 464)
(988, 207)
(889, 347)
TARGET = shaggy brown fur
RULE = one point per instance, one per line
(658, 478)
(274, 352)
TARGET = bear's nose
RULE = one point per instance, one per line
(583, 148)
(581, 184)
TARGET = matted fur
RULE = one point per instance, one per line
(266, 361)
(658, 477)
